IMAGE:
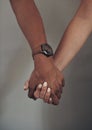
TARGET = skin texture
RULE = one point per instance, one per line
(75, 35)
(73, 39)
(48, 73)
(31, 24)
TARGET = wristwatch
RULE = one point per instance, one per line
(44, 49)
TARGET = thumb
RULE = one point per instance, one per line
(26, 85)
(32, 85)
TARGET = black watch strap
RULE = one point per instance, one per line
(44, 49)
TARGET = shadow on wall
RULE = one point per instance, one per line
(16, 71)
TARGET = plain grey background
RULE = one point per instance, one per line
(17, 112)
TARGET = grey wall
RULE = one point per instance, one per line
(17, 112)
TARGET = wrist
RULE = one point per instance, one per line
(40, 60)
(40, 56)
(43, 49)
(58, 64)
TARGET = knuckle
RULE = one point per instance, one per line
(59, 95)
(56, 102)
(41, 95)
(61, 83)
(47, 97)
(44, 89)
(56, 92)
(36, 95)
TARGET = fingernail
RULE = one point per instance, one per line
(48, 90)
(40, 86)
(25, 87)
(45, 84)
(50, 99)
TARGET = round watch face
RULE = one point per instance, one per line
(46, 49)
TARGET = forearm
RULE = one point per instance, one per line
(29, 21)
(74, 37)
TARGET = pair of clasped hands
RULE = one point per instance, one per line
(46, 81)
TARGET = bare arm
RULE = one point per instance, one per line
(75, 35)
(30, 21)
(73, 39)
(31, 24)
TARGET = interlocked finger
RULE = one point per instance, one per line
(55, 100)
(47, 95)
(43, 90)
(50, 100)
(38, 90)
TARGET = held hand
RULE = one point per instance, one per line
(46, 80)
